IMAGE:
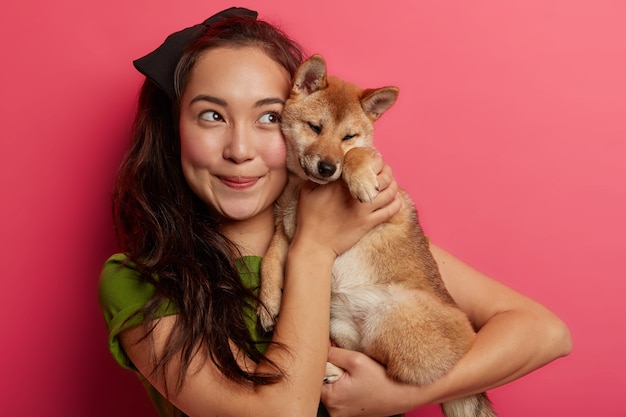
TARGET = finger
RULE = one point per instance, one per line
(386, 212)
(377, 161)
(348, 360)
(338, 356)
(386, 195)
(384, 177)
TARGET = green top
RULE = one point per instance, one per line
(122, 293)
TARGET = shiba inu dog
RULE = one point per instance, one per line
(388, 299)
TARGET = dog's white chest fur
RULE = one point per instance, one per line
(356, 297)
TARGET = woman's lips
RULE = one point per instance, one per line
(239, 182)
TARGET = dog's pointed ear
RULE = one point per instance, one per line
(310, 76)
(377, 101)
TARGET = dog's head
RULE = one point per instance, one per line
(325, 117)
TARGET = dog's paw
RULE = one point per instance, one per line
(358, 174)
(267, 319)
(364, 187)
(333, 373)
(268, 313)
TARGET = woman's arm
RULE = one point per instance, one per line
(516, 336)
(329, 223)
(206, 392)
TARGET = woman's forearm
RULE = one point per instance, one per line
(516, 334)
(302, 328)
(510, 345)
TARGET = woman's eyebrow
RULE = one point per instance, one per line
(210, 99)
(268, 101)
(223, 103)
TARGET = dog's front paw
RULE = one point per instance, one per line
(268, 313)
(333, 373)
(363, 186)
(358, 174)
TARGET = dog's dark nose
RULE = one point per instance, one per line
(326, 169)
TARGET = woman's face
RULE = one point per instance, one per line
(232, 151)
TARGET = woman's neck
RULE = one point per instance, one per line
(252, 236)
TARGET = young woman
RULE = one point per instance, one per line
(193, 214)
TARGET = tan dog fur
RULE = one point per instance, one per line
(388, 299)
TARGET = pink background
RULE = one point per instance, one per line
(510, 134)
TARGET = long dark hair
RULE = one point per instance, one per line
(172, 237)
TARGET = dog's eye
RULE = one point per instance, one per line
(315, 128)
(348, 137)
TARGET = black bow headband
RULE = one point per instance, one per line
(160, 64)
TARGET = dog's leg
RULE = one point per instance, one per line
(473, 406)
(346, 335)
(272, 274)
(417, 336)
(359, 175)
(332, 373)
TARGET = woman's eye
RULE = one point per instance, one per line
(270, 118)
(211, 116)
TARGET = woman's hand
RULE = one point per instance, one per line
(330, 217)
(365, 389)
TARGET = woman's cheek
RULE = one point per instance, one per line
(276, 154)
(196, 149)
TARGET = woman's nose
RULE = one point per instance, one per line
(240, 144)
